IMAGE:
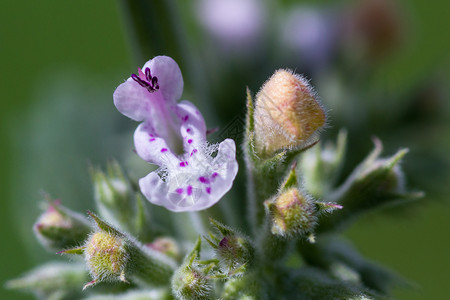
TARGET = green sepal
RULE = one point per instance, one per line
(73, 251)
(102, 225)
(291, 179)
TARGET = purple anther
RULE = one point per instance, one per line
(150, 84)
(189, 190)
(139, 80)
(148, 74)
(155, 83)
(163, 149)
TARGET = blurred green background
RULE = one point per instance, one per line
(60, 63)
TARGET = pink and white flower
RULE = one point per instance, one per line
(193, 174)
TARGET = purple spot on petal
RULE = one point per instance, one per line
(163, 149)
(151, 140)
(185, 118)
(208, 190)
(183, 164)
(203, 179)
(214, 175)
(189, 141)
(179, 191)
(188, 130)
(189, 190)
(194, 151)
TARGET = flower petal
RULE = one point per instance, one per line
(131, 100)
(169, 77)
(152, 148)
(193, 127)
(187, 189)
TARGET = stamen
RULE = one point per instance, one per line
(151, 84)
(148, 74)
(155, 83)
(139, 80)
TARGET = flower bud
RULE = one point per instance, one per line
(287, 114)
(58, 227)
(292, 213)
(165, 245)
(234, 251)
(192, 279)
(190, 282)
(106, 257)
(112, 255)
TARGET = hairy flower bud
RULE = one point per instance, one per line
(58, 227)
(292, 213)
(112, 255)
(192, 280)
(287, 114)
(106, 257)
(190, 283)
(235, 251)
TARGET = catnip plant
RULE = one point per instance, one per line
(290, 246)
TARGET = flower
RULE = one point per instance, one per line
(193, 174)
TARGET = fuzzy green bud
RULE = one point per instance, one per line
(236, 254)
(235, 251)
(292, 213)
(193, 278)
(287, 115)
(112, 255)
(191, 283)
(106, 257)
(58, 227)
